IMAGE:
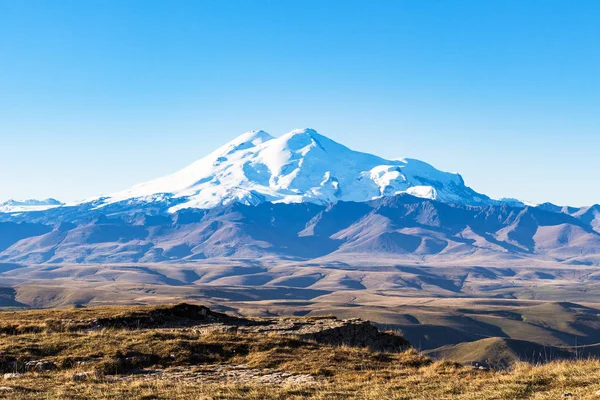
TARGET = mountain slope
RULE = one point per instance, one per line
(402, 226)
(301, 196)
(300, 166)
(499, 352)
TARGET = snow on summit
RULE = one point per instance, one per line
(14, 206)
(299, 166)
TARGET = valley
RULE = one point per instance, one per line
(434, 308)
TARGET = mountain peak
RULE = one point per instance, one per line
(300, 166)
(301, 138)
(255, 137)
(304, 132)
(32, 202)
(245, 141)
(12, 205)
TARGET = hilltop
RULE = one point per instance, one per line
(187, 351)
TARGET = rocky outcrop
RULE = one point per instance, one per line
(177, 315)
(328, 330)
(200, 319)
(215, 373)
(354, 332)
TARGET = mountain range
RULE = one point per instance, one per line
(298, 196)
(300, 166)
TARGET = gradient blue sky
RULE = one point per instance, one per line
(98, 95)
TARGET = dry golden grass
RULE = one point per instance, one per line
(336, 372)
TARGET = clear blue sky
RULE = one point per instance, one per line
(98, 95)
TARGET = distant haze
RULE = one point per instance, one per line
(100, 95)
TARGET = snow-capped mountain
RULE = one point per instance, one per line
(333, 202)
(13, 206)
(300, 166)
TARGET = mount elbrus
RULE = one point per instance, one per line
(299, 196)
